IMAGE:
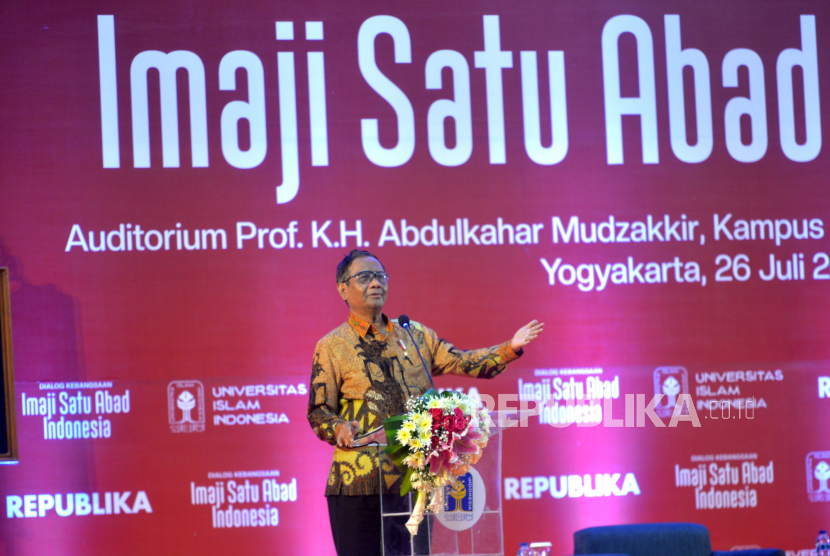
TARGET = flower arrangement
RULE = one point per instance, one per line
(434, 442)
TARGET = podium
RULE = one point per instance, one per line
(470, 521)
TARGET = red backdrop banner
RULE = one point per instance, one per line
(647, 178)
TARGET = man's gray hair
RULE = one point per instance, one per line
(354, 254)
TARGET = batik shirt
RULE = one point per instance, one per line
(364, 374)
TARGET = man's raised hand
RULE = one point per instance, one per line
(526, 334)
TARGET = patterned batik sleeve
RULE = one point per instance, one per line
(478, 363)
(323, 393)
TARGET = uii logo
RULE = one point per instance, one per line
(458, 497)
(186, 406)
(818, 476)
(463, 502)
(671, 382)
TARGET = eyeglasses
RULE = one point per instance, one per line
(365, 278)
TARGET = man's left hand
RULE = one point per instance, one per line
(526, 334)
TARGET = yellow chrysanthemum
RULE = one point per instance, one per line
(435, 403)
(404, 436)
(408, 426)
(424, 435)
(415, 443)
(424, 422)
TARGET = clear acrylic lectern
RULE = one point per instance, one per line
(470, 521)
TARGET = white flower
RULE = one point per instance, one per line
(408, 426)
(415, 460)
(435, 403)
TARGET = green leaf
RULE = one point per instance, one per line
(397, 456)
(406, 484)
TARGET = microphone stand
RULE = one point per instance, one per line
(404, 321)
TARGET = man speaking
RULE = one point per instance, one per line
(363, 372)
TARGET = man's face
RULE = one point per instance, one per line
(361, 298)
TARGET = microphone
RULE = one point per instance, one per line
(403, 320)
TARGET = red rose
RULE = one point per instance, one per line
(437, 418)
(459, 423)
(448, 423)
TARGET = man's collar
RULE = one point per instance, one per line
(362, 327)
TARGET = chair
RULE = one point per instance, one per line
(654, 539)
